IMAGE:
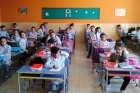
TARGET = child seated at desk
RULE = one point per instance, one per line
(51, 43)
(55, 37)
(40, 32)
(56, 61)
(15, 35)
(99, 47)
(23, 41)
(23, 47)
(5, 52)
(32, 34)
(120, 56)
(14, 26)
(3, 32)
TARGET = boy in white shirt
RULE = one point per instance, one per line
(56, 62)
(23, 41)
(90, 38)
(3, 32)
(5, 53)
(55, 37)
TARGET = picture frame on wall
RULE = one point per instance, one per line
(23, 10)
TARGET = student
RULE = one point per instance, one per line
(71, 32)
(40, 32)
(99, 47)
(55, 37)
(130, 32)
(90, 38)
(97, 34)
(45, 28)
(5, 51)
(87, 31)
(86, 34)
(64, 35)
(103, 42)
(14, 26)
(120, 56)
(87, 28)
(51, 43)
(32, 34)
(138, 35)
(23, 41)
(56, 61)
(15, 35)
(121, 32)
(3, 32)
(31, 49)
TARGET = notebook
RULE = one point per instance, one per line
(37, 67)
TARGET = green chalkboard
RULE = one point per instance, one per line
(70, 13)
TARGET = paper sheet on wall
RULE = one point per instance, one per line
(120, 12)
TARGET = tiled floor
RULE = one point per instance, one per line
(81, 78)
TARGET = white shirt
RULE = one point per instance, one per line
(57, 39)
(59, 62)
(4, 33)
(71, 33)
(32, 34)
(6, 52)
(96, 36)
(23, 43)
(40, 33)
(91, 35)
(138, 35)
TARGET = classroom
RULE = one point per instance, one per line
(69, 46)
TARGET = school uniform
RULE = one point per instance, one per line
(23, 43)
(102, 47)
(123, 57)
(86, 36)
(6, 52)
(40, 33)
(15, 37)
(4, 34)
(32, 35)
(138, 36)
(91, 37)
(45, 30)
(71, 34)
(122, 34)
(59, 62)
(57, 40)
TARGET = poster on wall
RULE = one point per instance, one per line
(71, 13)
(120, 12)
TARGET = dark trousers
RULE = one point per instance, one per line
(125, 82)
(89, 50)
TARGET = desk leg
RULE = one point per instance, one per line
(19, 83)
(139, 83)
(65, 82)
(106, 82)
